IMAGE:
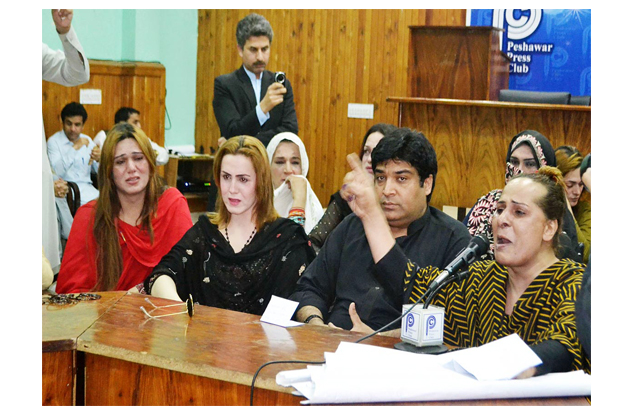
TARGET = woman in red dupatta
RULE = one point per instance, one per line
(118, 238)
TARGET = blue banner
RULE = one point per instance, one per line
(549, 49)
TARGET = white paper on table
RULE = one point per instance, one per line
(279, 312)
(358, 373)
(501, 359)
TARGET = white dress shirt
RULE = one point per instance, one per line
(73, 165)
(69, 67)
(256, 84)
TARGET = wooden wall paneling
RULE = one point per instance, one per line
(323, 87)
(135, 84)
(204, 38)
(499, 75)
(454, 62)
(471, 141)
(332, 58)
(342, 93)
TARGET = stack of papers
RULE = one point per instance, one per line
(358, 373)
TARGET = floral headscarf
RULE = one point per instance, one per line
(481, 216)
(544, 155)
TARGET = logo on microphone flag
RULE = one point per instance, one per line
(423, 327)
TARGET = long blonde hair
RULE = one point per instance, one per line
(253, 149)
(108, 254)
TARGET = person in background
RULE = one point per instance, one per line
(583, 314)
(583, 305)
(569, 161)
(585, 172)
(352, 270)
(116, 240)
(526, 290)
(241, 255)
(249, 101)
(338, 208)
(68, 67)
(73, 155)
(293, 196)
(528, 151)
(133, 116)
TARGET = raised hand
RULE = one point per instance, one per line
(358, 188)
(62, 19)
(95, 155)
(82, 141)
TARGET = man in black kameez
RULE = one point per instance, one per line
(366, 257)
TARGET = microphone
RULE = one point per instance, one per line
(478, 246)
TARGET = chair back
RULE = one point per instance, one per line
(535, 97)
(580, 100)
(73, 197)
(456, 212)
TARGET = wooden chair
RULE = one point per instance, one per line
(456, 212)
(73, 197)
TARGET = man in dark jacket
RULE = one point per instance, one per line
(250, 100)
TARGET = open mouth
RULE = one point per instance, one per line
(502, 242)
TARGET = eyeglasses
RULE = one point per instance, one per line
(189, 305)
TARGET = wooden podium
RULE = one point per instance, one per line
(456, 62)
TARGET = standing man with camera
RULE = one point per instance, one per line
(251, 100)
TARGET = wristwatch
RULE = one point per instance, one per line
(310, 317)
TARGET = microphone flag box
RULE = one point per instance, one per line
(423, 327)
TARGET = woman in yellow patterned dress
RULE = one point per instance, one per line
(526, 290)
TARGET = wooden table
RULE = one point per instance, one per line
(209, 359)
(61, 327)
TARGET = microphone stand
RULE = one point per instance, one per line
(456, 277)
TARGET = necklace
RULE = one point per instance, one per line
(248, 239)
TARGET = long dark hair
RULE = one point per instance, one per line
(382, 128)
(108, 255)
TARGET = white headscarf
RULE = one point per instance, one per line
(283, 197)
(277, 139)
